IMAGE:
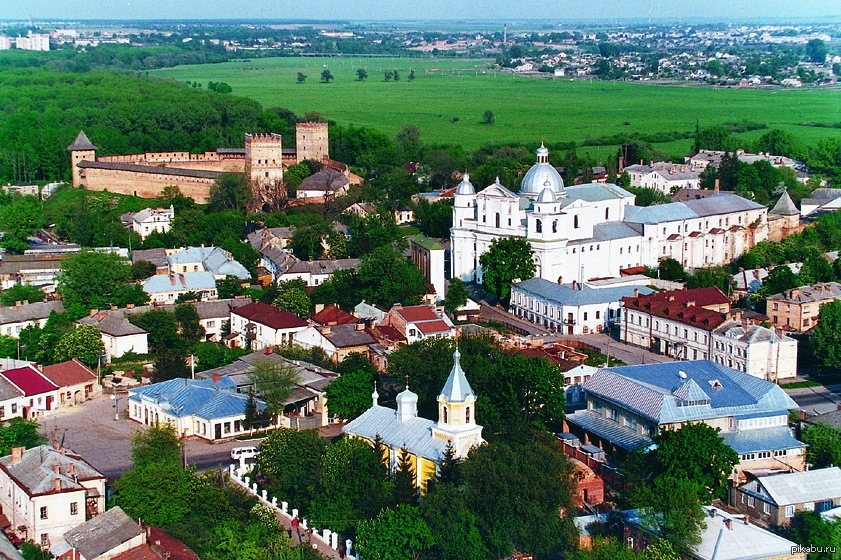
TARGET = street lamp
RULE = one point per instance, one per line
(116, 404)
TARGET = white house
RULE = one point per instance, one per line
(14, 319)
(419, 322)
(40, 395)
(11, 400)
(118, 334)
(664, 176)
(48, 491)
(754, 349)
(258, 325)
(214, 260)
(318, 271)
(165, 288)
(149, 220)
(573, 308)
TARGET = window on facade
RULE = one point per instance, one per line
(597, 314)
(43, 512)
(497, 219)
(809, 506)
(585, 315)
(538, 226)
(467, 415)
(555, 226)
(825, 505)
(789, 512)
(766, 508)
(575, 221)
(74, 508)
(446, 413)
(45, 539)
(607, 213)
(751, 501)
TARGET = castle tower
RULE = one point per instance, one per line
(80, 150)
(263, 160)
(457, 412)
(311, 141)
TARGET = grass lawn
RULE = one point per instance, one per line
(526, 109)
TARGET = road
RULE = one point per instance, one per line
(817, 400)
(631, 355)
(90, 430)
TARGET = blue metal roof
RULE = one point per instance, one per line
(608, 231)
(162, 283)
(764, 439)
(722, 203)
(414, 433)
(595, 192)
(563, 294)
(457, 388)
(659, 213)
(605, 428)
(195, 397)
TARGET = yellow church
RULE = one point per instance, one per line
(425, 439)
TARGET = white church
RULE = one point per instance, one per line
(589, 231)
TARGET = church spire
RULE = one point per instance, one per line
(457, 388)
(375, 396)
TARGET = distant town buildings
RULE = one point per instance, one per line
(797, 309)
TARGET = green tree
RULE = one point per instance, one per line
(453, 525)
(156, 444)
(815, 269)
(715, 67)
(326, 76)
(361, 74)
(31, 551)
(405, 489)
(21, 292)
(274, 382)
(507, 260)
(91, 279)
(301, 77)
(162, 327)
(189, 324)
(672, 508)
(159, 492)
(20, 220)
(409, 144)
(230, 191)
(809, 529)
(306, 243)
(398, 533)
(349, 395)
(18, 432)
(448, 470)
(292, 462)
(457, 295)
(780, 279)
(388, 278)
(338, 243)
(488, 117)
(539, 390)
(170, 364)
(293, 297)
(717, 276)
(229, 287)
(816, 50)
(671, 269)
(824, 443)
(84, 343)
(697, 453)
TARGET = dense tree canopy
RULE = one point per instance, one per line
(506, 260)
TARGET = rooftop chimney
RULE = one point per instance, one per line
(319, 307)
(71, 469)
(58, 485)
(636, 292)
(269, 350)
(713, 512)
(728, 523)
(56, 445)
(93, 312)
(56, 469)
(17, 453)
(717, 186)
(747, 519)
(216, 378)
(360, 326)
(326, 330)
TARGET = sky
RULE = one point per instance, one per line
(553, 11)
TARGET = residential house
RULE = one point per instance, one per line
(14, 319)
(213, 314)
(149, 220)
(318, 271)
(403, 214)
(279, 237)
(425, 440)
(165, 288)
(330, 182)
(820, 201)
(754, 349)
(118, 334)
(338, 341)
(774, 499)
(327, 316)
(210, 409)
(369, 312)
(664, 176)
(724, 536)
(258, 325)
(798, 309)
(574, 308)
(11, 399)
(628, 406)
(214, 260)
(419, 322)
(749, 281)
(428, 256)
(32, 270)
(47, 491)
(155, 256)
(40, 395)
(361, 209)
(76, 382)
(276, 260)
(102, 538)
(306, 405)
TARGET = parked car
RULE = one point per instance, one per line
(249, 452)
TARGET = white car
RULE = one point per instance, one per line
(238, 453)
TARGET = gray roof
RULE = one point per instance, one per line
(752, 333)
(595, 192)
(328, 179)
(785, 206)
(620, 435)
(800, 487)
(262, 237)
(722, 203)
(35, 472)
(112, 324)
(103, 533)
(415, 433)
(325, 266)
(81, 143)
(808, 294)
(608, 231)
(563, 294)
(763, 439)
(345, 336)
(7, 389)
(457, 388)
(659, 213)
(192, 281)
(155, 256)
(365, 310)
(29, 312)
(650, 391)
(215, 260)
(309, 375)
(156, 169)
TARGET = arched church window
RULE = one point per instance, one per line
(445, 415)
(555, 226)
(497, 219)
(575, 221)
(538, 226)
(467, 415)
(607, 213)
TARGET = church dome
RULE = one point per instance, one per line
(547, 194)
(465, 187)
(540, 174)
(407, 404)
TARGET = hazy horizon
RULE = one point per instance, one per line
(429, 10)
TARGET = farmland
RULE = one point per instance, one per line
(448, 97)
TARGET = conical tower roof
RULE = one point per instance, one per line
(81, 143)
(457, 389)
(785, 206)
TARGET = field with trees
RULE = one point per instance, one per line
(447, 99)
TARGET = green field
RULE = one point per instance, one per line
(526, 109)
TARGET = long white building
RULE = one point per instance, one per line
(594, 230)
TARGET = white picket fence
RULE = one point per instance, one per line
(326, 536)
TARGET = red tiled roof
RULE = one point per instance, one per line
(683, 306)
(391, 333)
(29, 380)
(270, 316)
(333, 315)
(142, 552)
(71, 372)
(165, 543)
(417, 313)
(427, 327)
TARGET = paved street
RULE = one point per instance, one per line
(631, 355)
(817, 400)
(90, 430)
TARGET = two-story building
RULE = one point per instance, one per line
(316, 272)
(166, 288)
(338, 341)
(149, 220)
(40, 395)
(419, 322)
(214, 260)
(797, 309)
(45, 491)
(627, 407)
(754, 349)
(428, 256)
(258, 325)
